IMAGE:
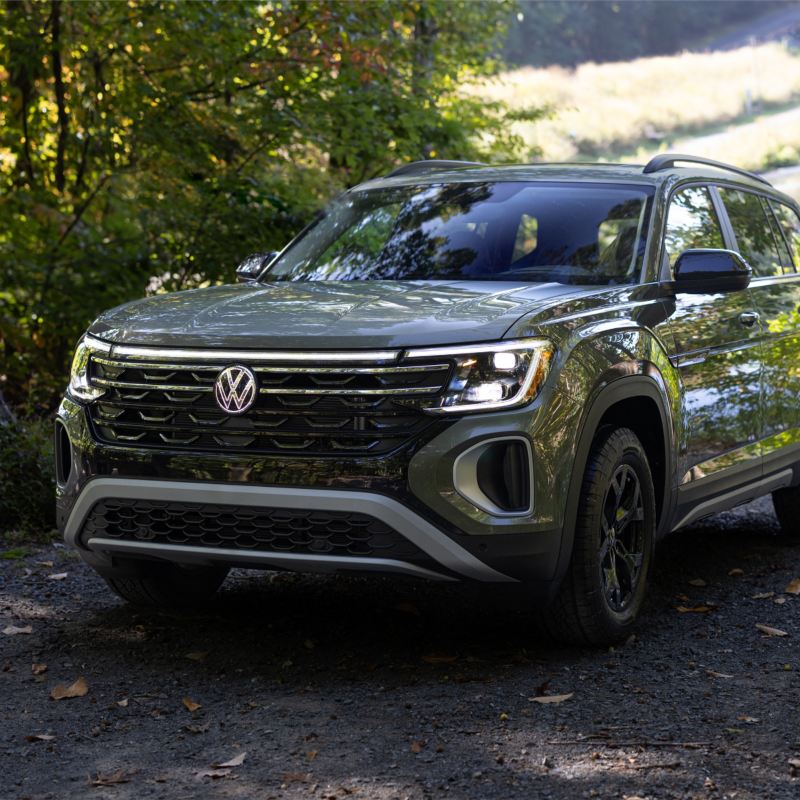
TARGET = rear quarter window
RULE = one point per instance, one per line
(789, 222)
(755, 239)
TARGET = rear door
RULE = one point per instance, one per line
(764, 240)
(718, 355)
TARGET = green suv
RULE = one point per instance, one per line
(521, 374)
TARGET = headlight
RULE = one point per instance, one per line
(491, 377)
(79, 386)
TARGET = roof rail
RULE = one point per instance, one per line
(431, 165)
(668, 160)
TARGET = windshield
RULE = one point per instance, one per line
(585, 233)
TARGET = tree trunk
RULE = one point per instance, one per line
(63, 120)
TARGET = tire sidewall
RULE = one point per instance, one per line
(617, 448)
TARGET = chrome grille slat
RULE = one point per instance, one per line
(215, 368)
(159, 387)
(343, 390)
(336, 407)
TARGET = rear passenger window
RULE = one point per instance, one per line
(753, 232)
(691, 223)
(790, 225)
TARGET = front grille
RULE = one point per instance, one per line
(307, 410)
(248, 529)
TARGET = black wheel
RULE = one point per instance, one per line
(787, 510)
(158, 585)
(606, 582)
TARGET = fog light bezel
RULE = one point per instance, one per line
(466, 479)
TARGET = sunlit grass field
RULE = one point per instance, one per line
(629, 109)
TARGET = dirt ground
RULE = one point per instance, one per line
(319, 687)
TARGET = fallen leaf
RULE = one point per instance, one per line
(45, 564)
(763, 595)
(40, 737)
(748, 720)
(693, 609)
(736, 573)
(198, 728)
(296, 777)
(199, 656)
(77, 689)
(13, 630)
(58, 576)
(123, 703)
(439, 658)
(697, 582)
(213, 773)
(38, 669)
(416, 747)
(793, 587)
(190, 704)
(109, 780)
(551, 698)
(236, 761)
(770, 631)
(311, 754)
(715, 674)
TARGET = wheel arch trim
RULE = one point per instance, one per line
(604, 397)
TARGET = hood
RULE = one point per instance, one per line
(328, 314)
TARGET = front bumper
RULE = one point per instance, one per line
(412, 491)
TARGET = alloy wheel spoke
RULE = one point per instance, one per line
(620, 519)
(631, 562)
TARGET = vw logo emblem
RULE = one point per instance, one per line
(235, 389)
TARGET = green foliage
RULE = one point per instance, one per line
(152, 145)
(568, 32)
(27, 477)
(786, 156)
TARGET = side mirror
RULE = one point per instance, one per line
(711, 272)
(253, 266)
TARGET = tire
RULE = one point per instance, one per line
(606, 581)
(787, 510)
(167, 585)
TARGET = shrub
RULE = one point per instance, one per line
(27, 476)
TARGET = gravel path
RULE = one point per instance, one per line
(351, 688)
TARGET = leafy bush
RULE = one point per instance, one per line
(27, 476)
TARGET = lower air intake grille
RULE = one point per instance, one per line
(251, 529)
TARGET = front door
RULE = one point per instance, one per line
(716, 347)
(763, 239)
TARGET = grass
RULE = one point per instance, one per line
(613, 110)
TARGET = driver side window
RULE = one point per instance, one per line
(691, 223)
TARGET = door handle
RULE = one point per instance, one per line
(749, 318)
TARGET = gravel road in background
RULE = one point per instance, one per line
(372, 688)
